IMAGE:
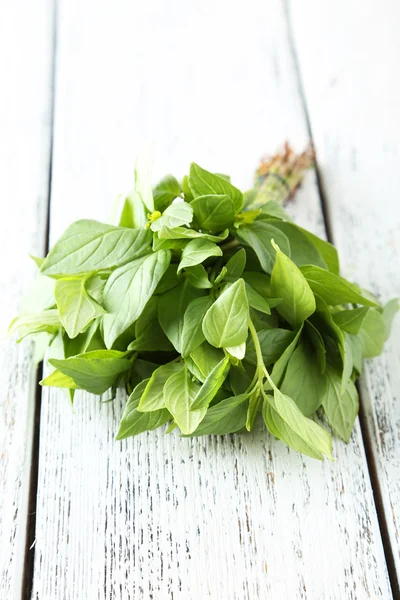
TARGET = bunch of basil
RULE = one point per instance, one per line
(209, 306)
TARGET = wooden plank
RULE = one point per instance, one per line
(158, 516)
(355, 119)
(25, 124)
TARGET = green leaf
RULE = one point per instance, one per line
(226, 321)
(148, 333)
(152, 397)
(192, 332)
(213, 213)
(257, 301)
(75, 307)
(340, 406)
(179, 393)
(168, 281)
(373, 333)
(197, 251)
(351, 320)
(273, 343)
(94, 371)
(134, 422)
(187, 192)
(303, 380)
(259, 282)
(58, 379)
(203, 182)
(282, 431)
(179, 213)
(220, 277)
(37, 260)
(327, 251)
(258, 235)
(317, 342)
(128, 290)
(332, 288)
(235, 265)
(228, 416)
(279, 368)
(299, 432)
(389, 312)
(133, 212)
(197, 276)
(46, 321)
(95, 287)
(253, 408)
(302, 249)
(165, 192)
(288, 283)
(171, 309)
(92, 246)
(177, 233)
(211, 385)
(203, 360)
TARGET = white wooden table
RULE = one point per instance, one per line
(85, 86)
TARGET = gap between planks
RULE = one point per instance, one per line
(29, 558)
(370, 457)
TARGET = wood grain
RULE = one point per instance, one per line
(355, 119)
(157, 517)
(25, 126)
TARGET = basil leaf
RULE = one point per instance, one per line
(92, 246)
(351, 320)
(302, 250)
(279, 368)
(134, 422)
(58, 379)
(95, 287)
(235, 265)
(203, 359)
(192, 332)
(45, 321)
(288, 283)
(203, 182)
(340, 406)
(152, 397)
(165, 191)
(213, 213)
(292, 421)
(373, 333)
(303, 381)
(171, 309)
(273, 343)
(94, 371)
(133, 212)
(260, 282)
(75, 307)
(128, 290)
(389, 312)
(211, 385)
(179, 213)
(332, 288)
(317, 342)
(258, 235)
(177, 233)
(168, 281)
(327, 251)
(179, 393)
(226, 321)
(197, 251)
(148, 333)
(220, 277)
(282, 431)
(253, 408)
(228, 416)
(187, 192)
(197, 276)
(256, 301)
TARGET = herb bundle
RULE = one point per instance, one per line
(210, 306)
